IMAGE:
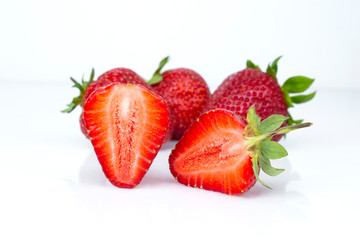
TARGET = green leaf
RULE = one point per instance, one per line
(91, 76)
(71, 106)
(287, 98)
(162, 63)
(155, 79)
(298, 121)
(253, 118)
(256, 170)
(82, 88)
(271, 72)
(250, 64)
(297, 84)
(273, 150)
(267, 168)
(271, 123)
(274, 64)
(78, 85)
(291, 121)
(302, 98)
(157, 76)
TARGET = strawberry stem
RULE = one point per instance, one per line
(251, 141)
(157, 76)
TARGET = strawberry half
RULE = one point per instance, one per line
(185, 92)
(127, 125)
(116, 75)
(220, 153)
(251, 86)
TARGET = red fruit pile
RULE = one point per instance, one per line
(127, 119)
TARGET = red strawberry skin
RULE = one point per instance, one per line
(186, 94)
(127, 125)
(211, 155)
(82, 125)
(249, 87)
(116, 75)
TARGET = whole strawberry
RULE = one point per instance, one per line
(116, 75)
(219, 152)
(185, 92)
(251, 86)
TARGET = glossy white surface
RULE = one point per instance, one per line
(52, 186)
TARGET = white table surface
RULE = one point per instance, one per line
(52, 186)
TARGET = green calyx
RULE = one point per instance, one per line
(82, 87)
(250, 64)
(293, 85)
(157, 76)
(271, 69)
(258, 136)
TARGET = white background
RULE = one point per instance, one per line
(51, 183)
(46, 41)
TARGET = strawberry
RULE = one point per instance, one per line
(185, 92)
(219, 152)
(251, 86)
(116, 75)
(126, 124)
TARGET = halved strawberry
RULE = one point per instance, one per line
(116, 75)
(220, 153)
(127, 125)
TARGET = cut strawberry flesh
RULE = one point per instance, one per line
(212, 155)
(126, 125)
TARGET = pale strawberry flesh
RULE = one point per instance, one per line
(211, 155)
(127, 125)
